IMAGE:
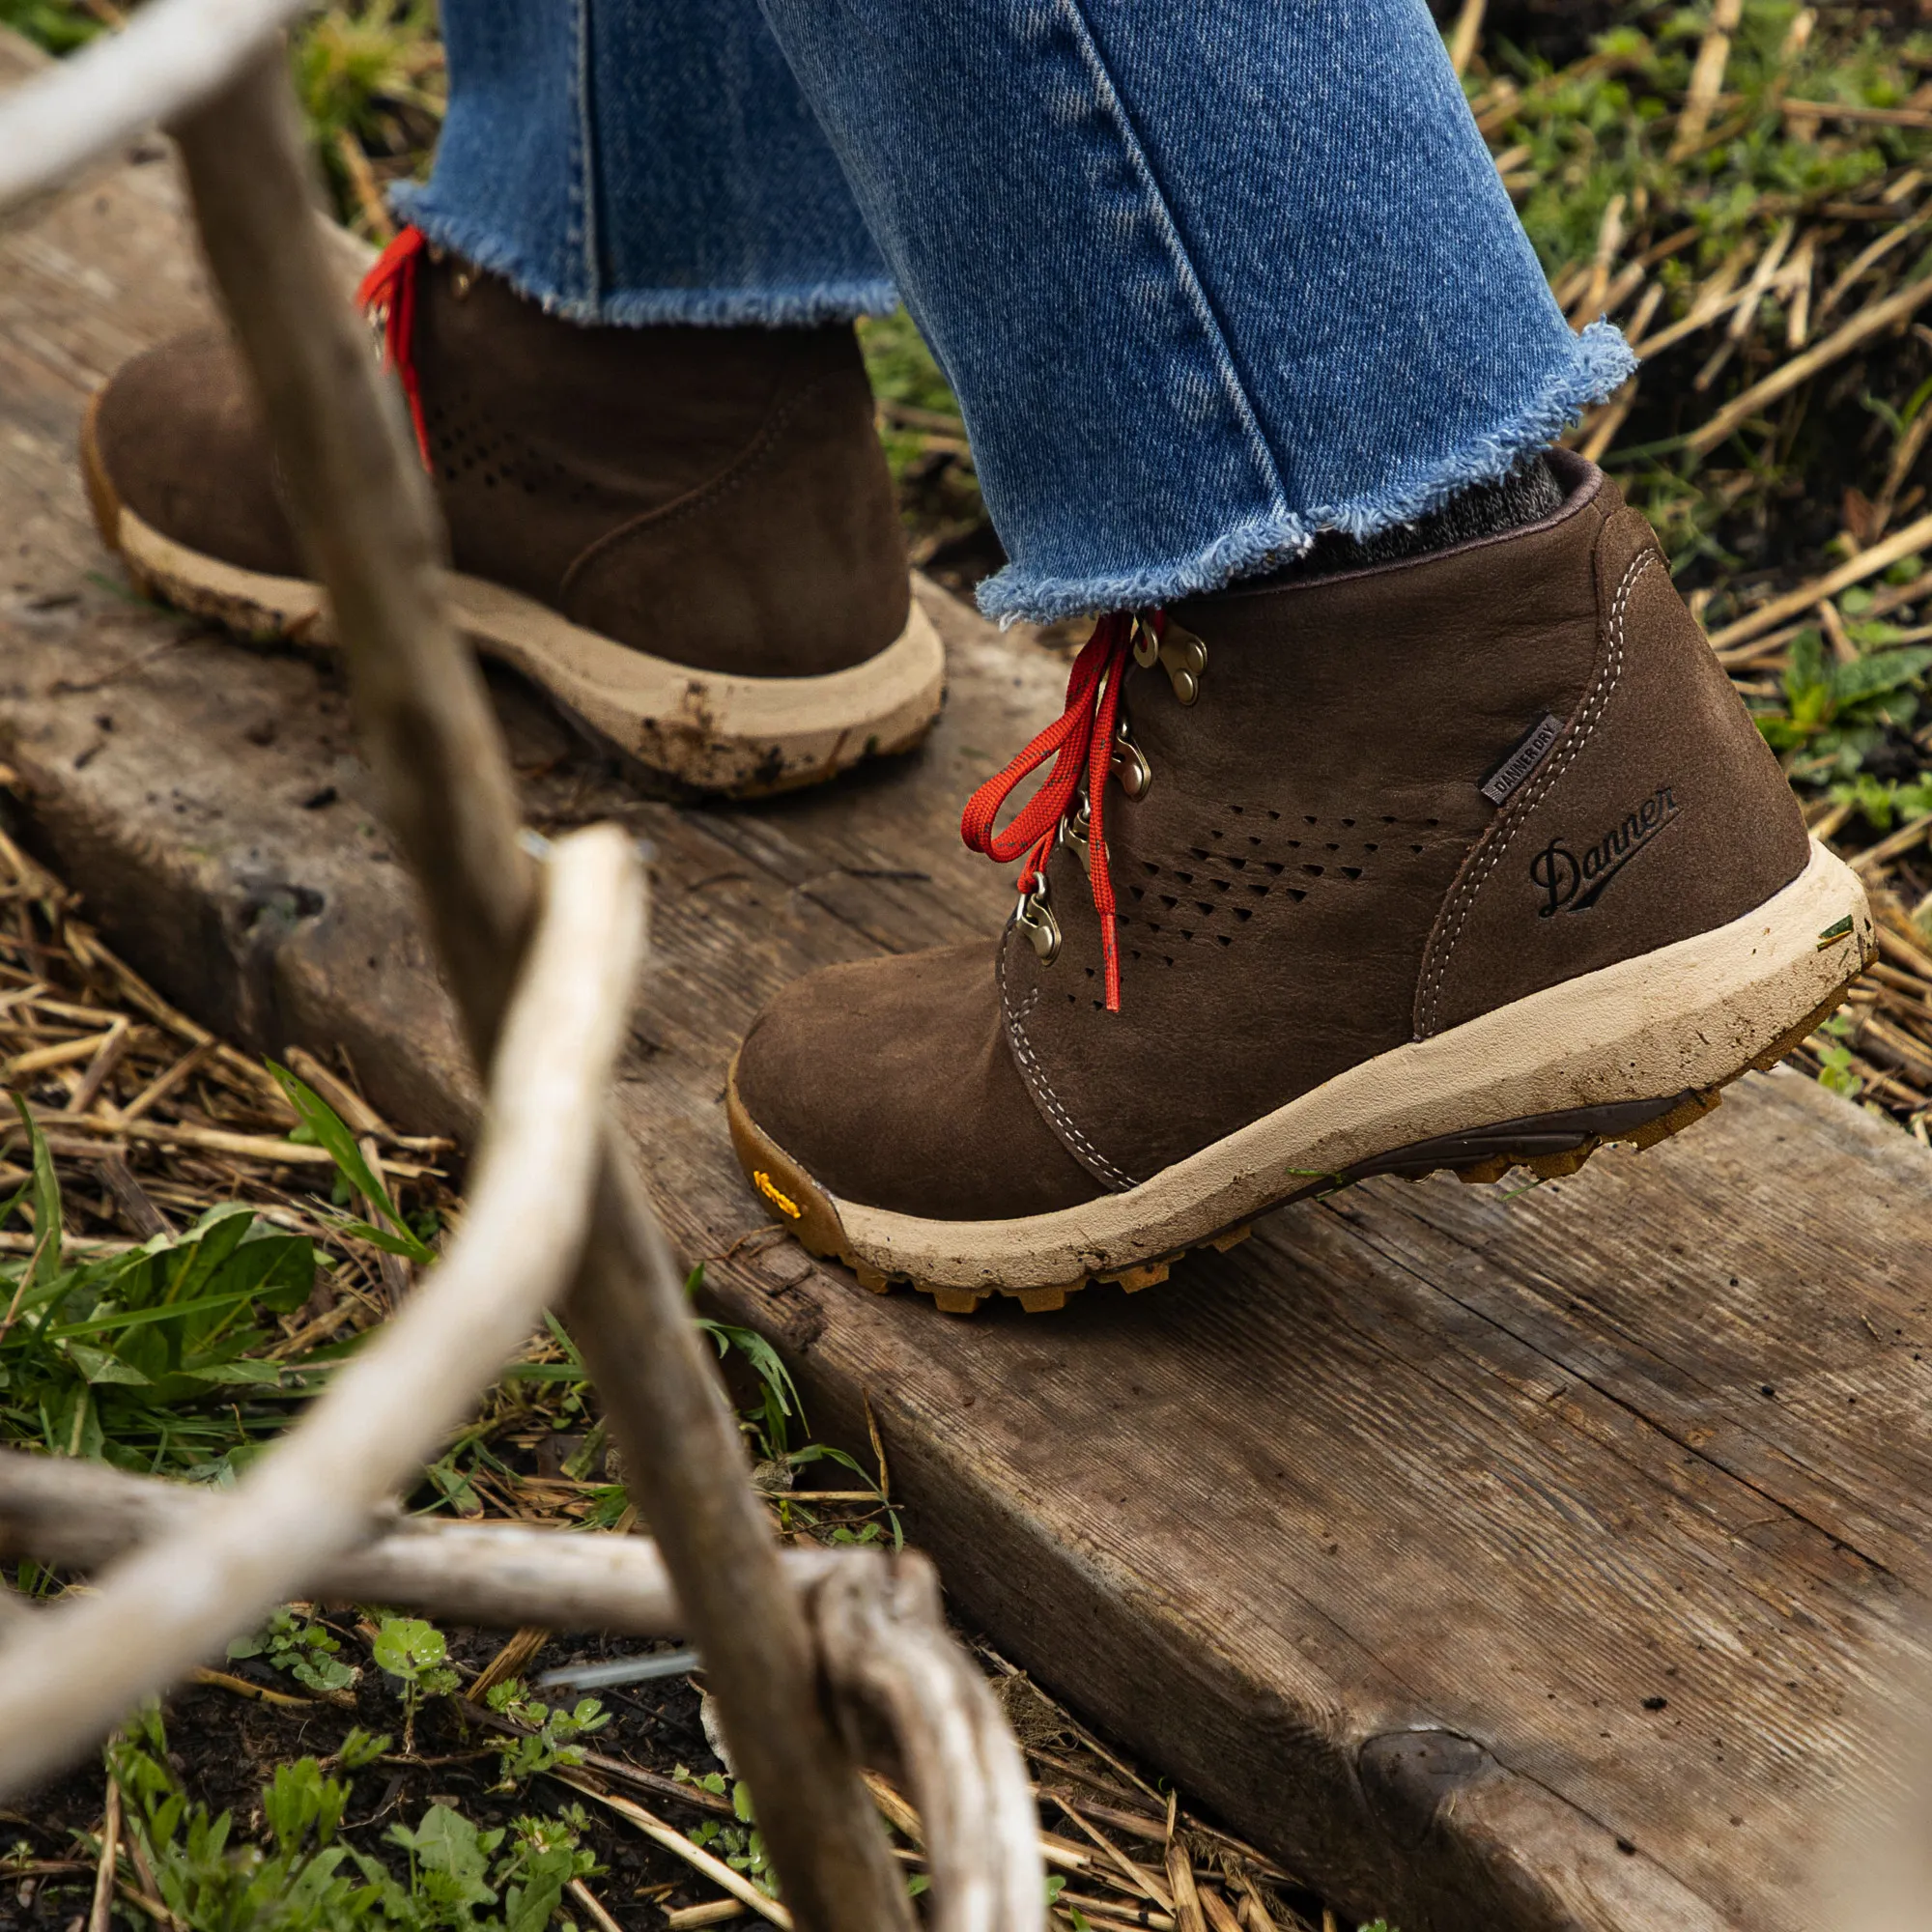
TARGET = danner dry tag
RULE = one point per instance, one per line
(1522, 761)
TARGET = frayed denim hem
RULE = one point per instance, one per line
(798, 307)
(1602, 364)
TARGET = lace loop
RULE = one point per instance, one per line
(387, 294)
(1080, 742)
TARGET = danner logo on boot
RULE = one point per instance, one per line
(1573, 882)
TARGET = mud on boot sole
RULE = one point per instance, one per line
(740, 737)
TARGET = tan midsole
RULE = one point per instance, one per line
(701, 724)
(1687, 1015)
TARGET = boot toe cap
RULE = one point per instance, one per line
(889, 1082)
(176, 438)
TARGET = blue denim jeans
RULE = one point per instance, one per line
(1207, 277)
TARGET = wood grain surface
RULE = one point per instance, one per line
(1498, 1557)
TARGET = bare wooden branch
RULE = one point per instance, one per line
(100, 1918)
(679, 1846)
(359, 498)
(170, 57)
(1867, 563)
(1787, 376)
(362, 508)
(1707, 76)
(498, 1575)
(74, 1671)
(884, 1649)
(881, 1637)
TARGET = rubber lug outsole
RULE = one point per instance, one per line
(1639, 1124)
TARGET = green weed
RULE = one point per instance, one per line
(306, 1879)
(741, 1845)
(304, 1650)
(152, 1359)
(1604, 126)
(415, 1654)
(1835, 715)
(769, 1427)
(1835, 1058)
(552, 1733)
(57, 25)
(321, 1127)
(354, 66)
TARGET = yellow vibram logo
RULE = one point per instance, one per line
(769, 1190)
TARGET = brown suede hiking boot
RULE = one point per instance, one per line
(687, 537)
(1464, 862)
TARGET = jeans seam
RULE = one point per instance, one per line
(581, 239)
(1192, 289)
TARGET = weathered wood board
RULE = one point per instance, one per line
(1497, 1558)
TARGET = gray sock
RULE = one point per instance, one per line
(1528, 495)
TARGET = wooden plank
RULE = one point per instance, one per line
(1384, 1535)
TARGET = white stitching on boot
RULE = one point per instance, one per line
(1533, 795)
(1042, 1088)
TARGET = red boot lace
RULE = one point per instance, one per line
(1080, 740)
(387, 294)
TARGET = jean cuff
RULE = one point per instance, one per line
(1602, 362)
(789, 305)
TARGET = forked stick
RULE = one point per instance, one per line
(882, 1641)
(71, 1673)
(362, 506)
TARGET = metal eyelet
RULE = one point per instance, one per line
(1034, 918)
(1185, 657)
(462, 280)
(1127, 766)
(1077, 830)
(1179, 652)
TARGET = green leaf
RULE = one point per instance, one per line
(46, 1264)
(405, 1647)
(323, 1121)
(560, 1335)
(445, 1843)
(359, 1747)
(206, 1247)
(1807, 669)
(1883, 671)
(136, 1318)
(324, 1673)
(405, 1244)
(96, 1365)
(242, 1370)
(278, 1269)
(824, 1452)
